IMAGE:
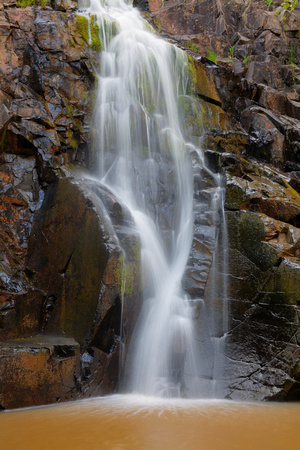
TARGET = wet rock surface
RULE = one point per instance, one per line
(55, 231)
(79, 271)
(263, 296)
(38, 370)
(249, 52)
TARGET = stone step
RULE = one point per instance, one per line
(38, 370)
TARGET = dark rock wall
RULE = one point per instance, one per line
(247, 69)
(62, 266)
(244, 65)
(45, 91)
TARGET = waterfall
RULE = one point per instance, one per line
(145, 161)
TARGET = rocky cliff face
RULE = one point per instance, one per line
(62, 268)
(249, 52)
(244, 64)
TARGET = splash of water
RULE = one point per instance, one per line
(145, 160)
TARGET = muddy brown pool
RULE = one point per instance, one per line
(129, 422)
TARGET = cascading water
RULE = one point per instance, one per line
(145, 161)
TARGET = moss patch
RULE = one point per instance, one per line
(284, 284)
(82, 26)
(157, 23)
(204, 82)
(24, 3)
(193, 115)
(192, 74)
(89, 30)
(193, 47)
(246, 232)
(130, 280)
(95, 34)
(230, 143)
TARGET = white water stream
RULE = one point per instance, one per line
(145, 161)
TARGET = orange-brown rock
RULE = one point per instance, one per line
(38, 371)
(282, 235)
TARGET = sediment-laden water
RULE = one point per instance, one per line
(132, 422)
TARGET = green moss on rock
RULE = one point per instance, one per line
(131, 278)
(285, 282)
(89, 30)
(246, 232)
(192, 74)
(82, 26)
(130, 271)
(202, 82)
(235, 195)
(157, 23)
(24, 3)
(230, 142)
(95, 34)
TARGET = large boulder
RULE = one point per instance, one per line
(81, 273)
(66, 259)
(36, 371)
